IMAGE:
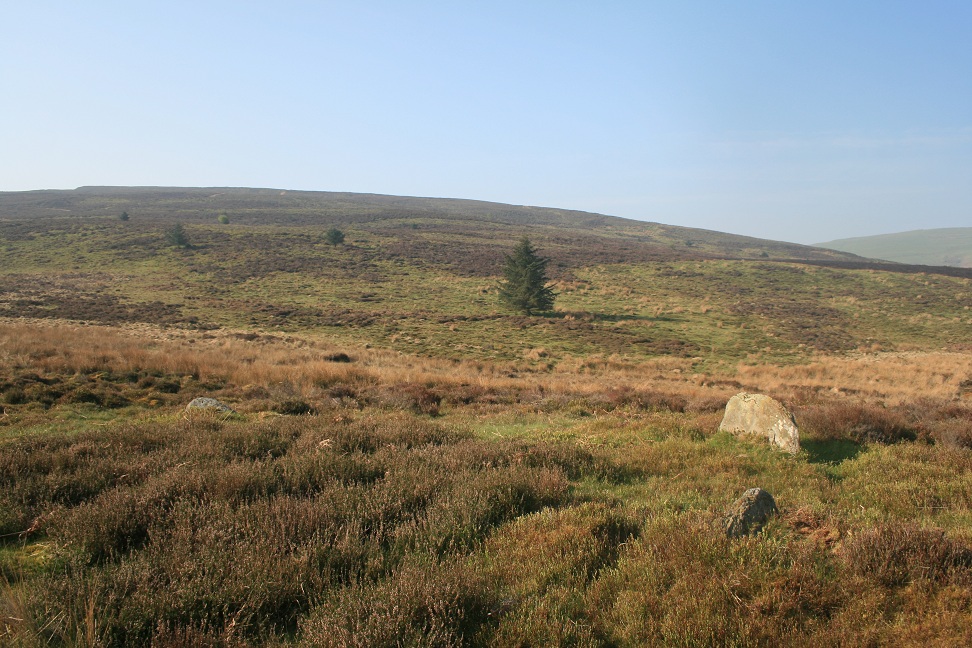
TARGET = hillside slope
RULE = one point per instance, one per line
(937, 247)
(420, 276)
(408, 219)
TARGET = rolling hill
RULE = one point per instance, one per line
(408, 219)
(407, 462)
(950, 246)
(419, 275)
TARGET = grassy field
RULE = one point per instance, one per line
(409, 464)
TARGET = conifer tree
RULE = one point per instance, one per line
(176, 236)
(524, 287)
(334, 236)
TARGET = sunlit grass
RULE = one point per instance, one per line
(412, 465)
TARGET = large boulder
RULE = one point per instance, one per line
(749, 513)
(762, 416)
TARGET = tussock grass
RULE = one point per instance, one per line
(287, 367)
(893, 378)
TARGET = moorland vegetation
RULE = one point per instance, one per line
(411, 464)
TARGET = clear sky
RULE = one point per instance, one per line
(797, 121)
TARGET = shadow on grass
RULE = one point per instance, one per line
(830, 452)
(588, 316)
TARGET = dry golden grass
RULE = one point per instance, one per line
(247, 359)
(890, 377)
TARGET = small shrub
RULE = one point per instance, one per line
(400, 430)
(859, 422)
(896, 554)
(292, 407)
(266, 440)
(649, 400)
(14, 396)
(338, 357)
(465, 394)
(945, 422)
(415, 398)
(342, 390)
(167, 386)
(106, 527)
(705, 404)
(204, 421)
(955, 432)
(46, 395)
(422, 604)
(423, 400)
(101, 397)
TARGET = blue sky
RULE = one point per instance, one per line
(798, 121)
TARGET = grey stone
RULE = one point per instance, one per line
(206, 403)
(761, 416)
(749, 513)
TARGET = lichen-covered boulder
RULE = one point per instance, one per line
(762, 416)
(749, 513)
(205, 403)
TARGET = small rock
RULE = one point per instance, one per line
(762, 416)
(749, 513)
(205, 403)
(502, 608)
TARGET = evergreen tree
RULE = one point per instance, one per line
(176, 236)
(524, 287)
(334, 236)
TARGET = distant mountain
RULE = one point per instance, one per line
(937, 247)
